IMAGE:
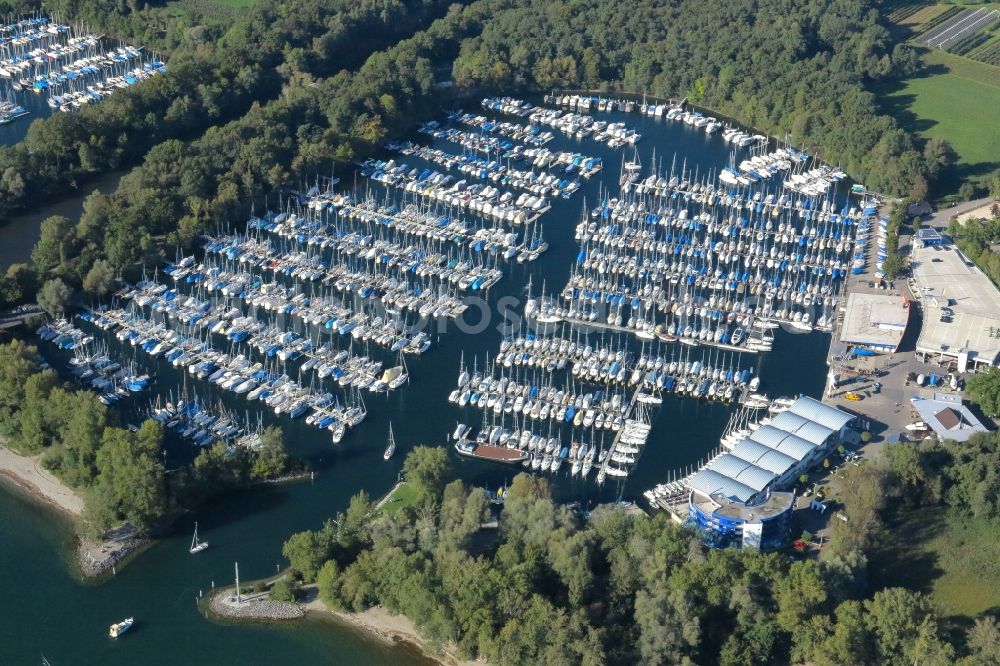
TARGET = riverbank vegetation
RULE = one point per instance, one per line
(797, 68)
(550, 586)
(219, 67)
(277, 103)
(119, 472)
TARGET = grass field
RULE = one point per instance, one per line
(956, 561)
(404, 496)
(955, 99)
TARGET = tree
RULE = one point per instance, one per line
(984, 389)
(897, 617)
(668, 629)
(271, 459)
(282, 590)
(852, 642)
(892, 266)
(16, 365)
(968, 191)
(939, 155)
(983, 640)
(54, 297)
(327, 583)
(130, 481)
(799, 594)
(19, 283)
(428, 469)
(81, 440)
(994, 185)
(55, 243)
(35, 424)
(306, 551)
(99, 278)
(846, 574)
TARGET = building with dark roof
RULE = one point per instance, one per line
(948, 417)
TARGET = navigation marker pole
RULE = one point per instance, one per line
(238, 599)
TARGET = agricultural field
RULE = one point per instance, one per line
(971, 30)
(916, 15)
(954, 99)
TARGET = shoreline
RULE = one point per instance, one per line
(94, 559)
(376, 622)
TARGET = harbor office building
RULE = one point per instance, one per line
(736, 500)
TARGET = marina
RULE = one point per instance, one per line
(65, 67)
(277, 273)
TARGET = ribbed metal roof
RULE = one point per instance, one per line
(745, 472)
(811, 431)
(710, 482)
(788, 421)
(770, 451)
(825, 415)
(764, 457)
(782, 441)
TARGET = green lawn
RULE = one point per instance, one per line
(957, 100)
(956, 560)
(405, 495)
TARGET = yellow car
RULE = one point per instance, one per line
(854, 396)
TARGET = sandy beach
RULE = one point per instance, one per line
(376, 621)
(95, 558)
(28, 473)
(390, 627)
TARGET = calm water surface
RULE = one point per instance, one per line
(18, 234)
(46, 609)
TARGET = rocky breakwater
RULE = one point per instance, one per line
(252, 607)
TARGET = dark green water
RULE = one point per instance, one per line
(19, 233)
(46, 609)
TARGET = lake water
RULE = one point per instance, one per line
(19, 233)
(49, 611)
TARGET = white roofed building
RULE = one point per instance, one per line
(735, 498)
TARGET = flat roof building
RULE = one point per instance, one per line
(876, 321)
(929, 236)
(970, 335)
(948, 417)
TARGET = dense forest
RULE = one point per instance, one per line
(275, 96)
(217, 71)
(120, 473)
(552, 587)
(795, 68)
(183, 188)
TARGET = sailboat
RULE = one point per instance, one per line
(391, 448)
(197, 546)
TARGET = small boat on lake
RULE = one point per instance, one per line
(196, 545)
(391, 448)
(119, 628)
